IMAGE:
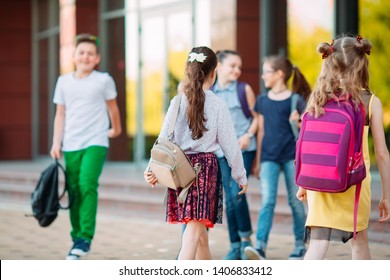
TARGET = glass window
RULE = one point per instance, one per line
(112, 5)
(156, 53)
(152, 3)
(43, 15)
(45, 62)
(48, 14)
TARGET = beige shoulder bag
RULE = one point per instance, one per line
(170, 164)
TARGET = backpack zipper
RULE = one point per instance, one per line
(175, 163)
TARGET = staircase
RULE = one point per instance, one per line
(122, 191)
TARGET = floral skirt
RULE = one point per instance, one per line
(204, 202)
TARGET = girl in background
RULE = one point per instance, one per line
(276, 150)
(229, 89)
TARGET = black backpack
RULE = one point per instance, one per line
(45, 201)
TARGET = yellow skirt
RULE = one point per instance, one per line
(335, 210)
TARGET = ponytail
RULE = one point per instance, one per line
(300, 84)
(202, 61)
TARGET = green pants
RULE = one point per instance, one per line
(83, 169)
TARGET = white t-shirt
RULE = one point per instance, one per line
(86, 116)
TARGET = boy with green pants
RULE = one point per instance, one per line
(85, 107)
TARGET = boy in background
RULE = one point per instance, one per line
(87, 115)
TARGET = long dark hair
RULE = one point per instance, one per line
(299, 82)
(196, 73)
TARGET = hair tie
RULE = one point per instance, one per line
(329, 51)
(199, 57)
(359, 39)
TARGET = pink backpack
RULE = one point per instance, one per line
(329, 155)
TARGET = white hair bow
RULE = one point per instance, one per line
(199, 57)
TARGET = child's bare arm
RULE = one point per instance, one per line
(59, 122)
(382, 157)
(115, 119)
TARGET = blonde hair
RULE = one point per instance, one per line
(344, 72)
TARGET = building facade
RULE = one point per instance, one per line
(143, 46)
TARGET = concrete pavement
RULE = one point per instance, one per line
(124, 237)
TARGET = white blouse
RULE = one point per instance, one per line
(220, 133)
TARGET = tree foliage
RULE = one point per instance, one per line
(302, 50)
(374, 24)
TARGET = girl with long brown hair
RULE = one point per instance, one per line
(203, 126)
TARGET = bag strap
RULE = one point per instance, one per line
(197, 167)
(360, 129)
(66, 187)
(358, 185)
(355, 208)
(241, 92)
(294, 102)
(175, 112)
(293, 123)
(183, 194)
(369, 108)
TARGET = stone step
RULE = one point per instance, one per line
(139, 189)
(137, 199)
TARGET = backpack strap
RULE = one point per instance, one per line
(369, 108)
(241, 92)
(293, 123)
(359, 185)
(183, 194)
(356, 207)
(66, 187)
(174, 116)
(360, 134)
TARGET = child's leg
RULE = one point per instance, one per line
(203, 250)
(319, 243)
(72, 167)
(190, 240)
(90, 170)
(317, 249)
(359, 247)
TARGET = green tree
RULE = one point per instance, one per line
(302, 49)
(374, 24)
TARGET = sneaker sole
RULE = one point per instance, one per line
(78, 252)
(252, 254)
(295, 258)
(72, 257)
